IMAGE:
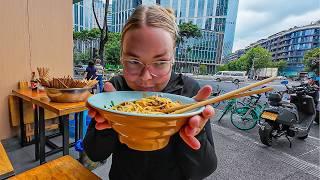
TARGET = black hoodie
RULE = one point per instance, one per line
(176, 161)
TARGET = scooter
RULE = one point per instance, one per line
(292, 118)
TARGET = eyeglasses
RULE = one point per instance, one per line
(156, 68)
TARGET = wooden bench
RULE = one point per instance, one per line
(6, 169)
(62, 168)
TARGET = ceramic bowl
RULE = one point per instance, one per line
(68, 95)
(144, 132)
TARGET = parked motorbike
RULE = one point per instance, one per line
(292, 118)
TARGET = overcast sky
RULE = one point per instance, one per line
(259, 19)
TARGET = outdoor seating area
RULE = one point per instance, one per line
(48, 128)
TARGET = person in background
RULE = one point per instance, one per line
(147, 54)
(100, 72)
(91, 73)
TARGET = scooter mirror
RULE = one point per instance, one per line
(284, 82)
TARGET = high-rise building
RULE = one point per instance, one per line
(215, 18)
(290, 45)
(83, 17)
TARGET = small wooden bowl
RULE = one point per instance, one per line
(68, 95)
(143, 132)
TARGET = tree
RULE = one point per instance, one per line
(257, 57)
(203, 69)
(112, 49)
(281, 64)
(87, 36)
(223, 67)
(311, 60)
(188, 30)
(103, 29)
(81, 58)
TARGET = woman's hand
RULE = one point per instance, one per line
(101, 123)
(196, 123)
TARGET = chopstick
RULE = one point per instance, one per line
(259, 91)
(224, 96)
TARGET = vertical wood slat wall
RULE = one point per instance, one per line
(33, 33)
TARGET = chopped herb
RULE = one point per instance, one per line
(105, 106)
(112, 104)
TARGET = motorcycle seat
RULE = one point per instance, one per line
(288, 104)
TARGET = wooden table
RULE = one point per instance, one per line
(62, 110)
(62, 168)
(6, 169)
(26, 95)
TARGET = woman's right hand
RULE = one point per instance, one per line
(101, 123)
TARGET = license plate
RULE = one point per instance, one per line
(269, 115)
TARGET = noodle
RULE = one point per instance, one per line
(147, 105)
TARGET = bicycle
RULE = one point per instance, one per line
(247, 117)
(231, 105)
(216, 93)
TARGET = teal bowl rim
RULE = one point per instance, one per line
(186, 114)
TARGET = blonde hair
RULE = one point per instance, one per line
(154, 16)
(98, 61)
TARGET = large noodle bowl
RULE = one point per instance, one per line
(147, 105)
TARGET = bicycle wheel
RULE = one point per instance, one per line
(244, 123)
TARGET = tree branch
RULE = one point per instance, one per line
(105, 25)
(95, 15)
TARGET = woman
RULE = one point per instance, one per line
(90, 73)
(147, 54)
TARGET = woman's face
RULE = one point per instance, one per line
(147, 56)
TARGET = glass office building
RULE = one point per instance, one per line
(83, 17)
(215, 18)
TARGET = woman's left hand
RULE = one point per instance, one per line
(196, 123)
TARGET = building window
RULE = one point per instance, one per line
(81, 15)
(208, 23)
(191, 8)
(210, 8)
(183, 9)
(76, 13)
(175, 7)
(200, 8)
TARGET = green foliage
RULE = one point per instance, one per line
(239, 65)
(257, 57)
(203, 69)
(81, 58)
(311, 60)
(223, 67)
(279, 64)
(87, 35)
(188, 30)
(112, 49)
